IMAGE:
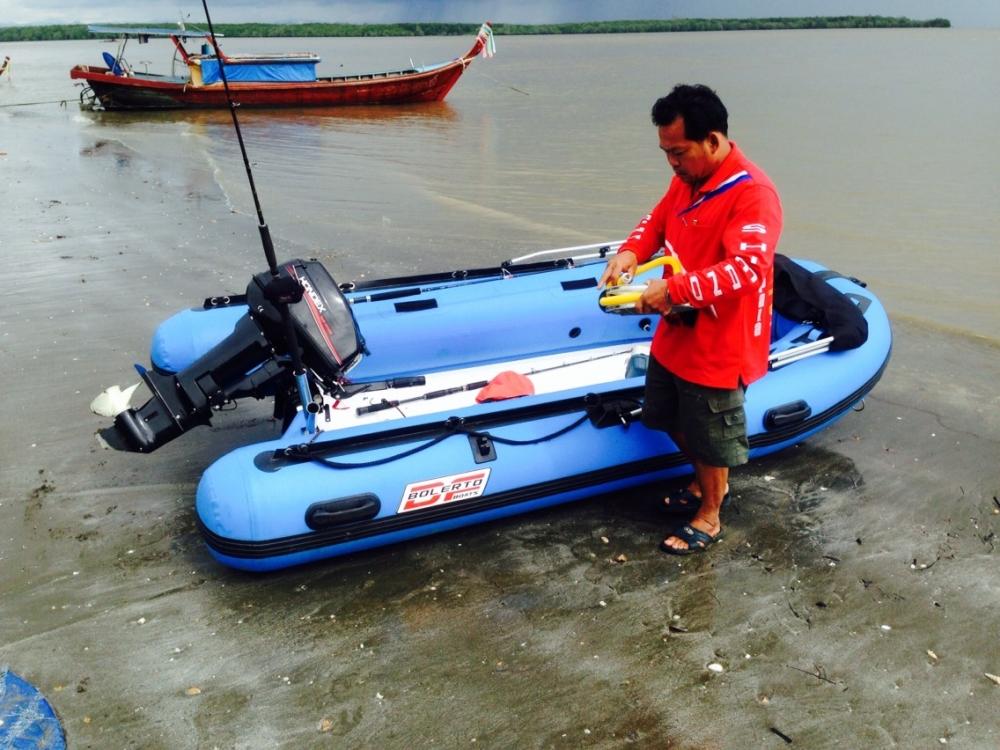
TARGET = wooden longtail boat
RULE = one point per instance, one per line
(282, 80)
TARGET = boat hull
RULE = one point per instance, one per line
(240, 525)
(405, 477)
(146, 91)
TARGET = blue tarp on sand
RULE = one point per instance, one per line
(27, 721)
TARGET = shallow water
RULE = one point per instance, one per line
(879, 141)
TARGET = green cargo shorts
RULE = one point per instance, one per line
(711, 420)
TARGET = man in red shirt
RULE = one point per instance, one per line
(721, 218)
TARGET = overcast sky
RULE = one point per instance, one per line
(983, 13)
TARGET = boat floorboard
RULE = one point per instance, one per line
(550, 373)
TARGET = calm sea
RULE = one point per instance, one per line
(882, 143)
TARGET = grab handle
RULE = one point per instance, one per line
(329, 513)
(787, 414)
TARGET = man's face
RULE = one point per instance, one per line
(692, 161)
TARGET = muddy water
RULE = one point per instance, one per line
(852, 598)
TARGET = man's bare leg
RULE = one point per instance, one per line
(694, 488)
(712, 480)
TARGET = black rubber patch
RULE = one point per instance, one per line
(416, 305)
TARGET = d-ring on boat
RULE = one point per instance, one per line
(394, 443)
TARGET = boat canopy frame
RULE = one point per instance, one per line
(143, 34)
(180, 36)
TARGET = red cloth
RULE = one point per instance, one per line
(725, 235)
(507, 384)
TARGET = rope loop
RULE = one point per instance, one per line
(452, 426)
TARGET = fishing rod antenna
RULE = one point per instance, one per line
(265, 233)
(282, 290)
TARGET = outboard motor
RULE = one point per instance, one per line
(254, 360)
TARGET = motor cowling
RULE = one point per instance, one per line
(328, 335)
(254, 360)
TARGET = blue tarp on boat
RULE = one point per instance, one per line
(274, 71)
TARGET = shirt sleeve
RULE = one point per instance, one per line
(749, 240)
(649, 234)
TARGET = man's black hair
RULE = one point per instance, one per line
(701, 108)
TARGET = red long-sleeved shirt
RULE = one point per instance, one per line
(725, 235)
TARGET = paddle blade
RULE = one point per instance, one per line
(112, 401)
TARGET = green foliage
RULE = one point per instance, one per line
(722, 24)
(79, 31)
(43, 33)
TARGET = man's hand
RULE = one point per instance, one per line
(654, 299)
(625, 262)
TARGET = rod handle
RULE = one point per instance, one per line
(380, 406)
(407, 382)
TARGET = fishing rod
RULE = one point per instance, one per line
(507, 269)
(446, 280)
(280, 290)
(413, 291)
(474, 386)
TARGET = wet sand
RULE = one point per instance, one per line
(852, 604)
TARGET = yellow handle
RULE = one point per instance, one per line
(630, 298)
(613, 300)
(666, 260)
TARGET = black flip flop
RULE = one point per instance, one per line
(697, 541)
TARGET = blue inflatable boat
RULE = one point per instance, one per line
(398, 439)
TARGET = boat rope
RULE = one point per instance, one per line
(532, 441)
(367, 464)
(452, 427)
(501, 83)
(60, 102)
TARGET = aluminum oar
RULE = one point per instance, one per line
(796, 353)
